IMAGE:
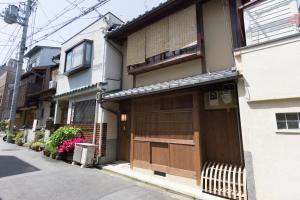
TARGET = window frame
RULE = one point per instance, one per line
(77, 103)
(287, 129)
(84, 65)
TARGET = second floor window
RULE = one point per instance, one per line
(79, 57)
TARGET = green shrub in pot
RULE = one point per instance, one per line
(64, 133)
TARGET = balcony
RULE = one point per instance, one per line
(166, 59)
(34, 88)
(269, 20)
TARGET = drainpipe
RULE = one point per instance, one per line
(96, 117)
(239, 124)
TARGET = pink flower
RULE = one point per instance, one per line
(69, 145)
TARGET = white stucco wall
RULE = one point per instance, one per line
(270, 85)
(46, 55)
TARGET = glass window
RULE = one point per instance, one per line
(288, 120)
(88, 55)
(79, 56)
(84, 112)
(69, 61)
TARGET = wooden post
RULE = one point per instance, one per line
(197, 138)
(131, 134)
(200, 34)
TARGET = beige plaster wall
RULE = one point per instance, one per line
(182, 70)
(270, 85)
(217, 35)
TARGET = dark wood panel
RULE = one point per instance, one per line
(141, 151)
(221, 136)
(160, 154)
(181, 157)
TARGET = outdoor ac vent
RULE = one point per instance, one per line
(77, 154)
(52, 84)
(84, 154)
(11, 14)
(158, 173)
(224, 180)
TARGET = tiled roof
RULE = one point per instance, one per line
(192, 81)
(80, 89)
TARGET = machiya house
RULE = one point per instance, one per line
(87, 62)
(35, 105)
(179, 112)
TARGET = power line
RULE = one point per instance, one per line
(57, 16)
(86, 11)
(12, 37)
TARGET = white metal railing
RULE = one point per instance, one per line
(269, 19)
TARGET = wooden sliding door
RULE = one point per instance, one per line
(165, 134)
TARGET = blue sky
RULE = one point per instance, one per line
(48, 9)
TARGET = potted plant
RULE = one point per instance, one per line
(19, 139)
(66, 149)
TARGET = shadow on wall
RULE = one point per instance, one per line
(11, 165)
(83, 78)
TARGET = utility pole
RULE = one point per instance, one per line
(24, 23)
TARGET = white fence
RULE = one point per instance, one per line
(224, 180)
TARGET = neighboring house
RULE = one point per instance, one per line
(269, 98)
(87, 62)
(40, 56)
(7, 79)
(37, 88)
(178, 105)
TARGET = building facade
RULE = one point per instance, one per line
(37, 88)
(87, 63)
(178, 106)
(269, 99)
(7, 79)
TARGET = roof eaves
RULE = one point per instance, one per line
(188, 82)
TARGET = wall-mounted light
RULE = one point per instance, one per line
(123, 117)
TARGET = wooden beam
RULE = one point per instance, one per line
(200, 34)
(236, 28)
(197, 137)
(131, 134)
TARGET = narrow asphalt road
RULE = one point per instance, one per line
(28, 175)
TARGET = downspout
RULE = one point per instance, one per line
(239, 125)
(96, 118)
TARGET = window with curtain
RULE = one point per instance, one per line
(79, 57)
(83, 112)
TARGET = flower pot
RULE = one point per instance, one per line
(68, 157)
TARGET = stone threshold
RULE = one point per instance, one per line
(176, 187)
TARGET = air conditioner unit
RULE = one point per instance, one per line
(84, 154)
(52, 84)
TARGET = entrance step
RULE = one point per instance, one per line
(179, 187)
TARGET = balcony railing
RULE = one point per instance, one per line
(269, 19)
